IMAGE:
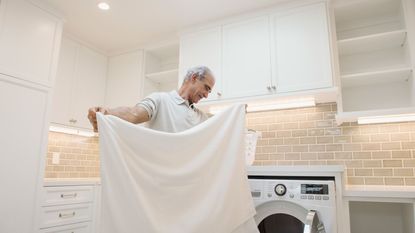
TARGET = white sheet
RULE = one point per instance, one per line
(189, 182)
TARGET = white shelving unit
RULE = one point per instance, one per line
(161, 68)
(374, 58)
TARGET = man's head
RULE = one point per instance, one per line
(197, 84)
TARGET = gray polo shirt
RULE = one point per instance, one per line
(169, 112)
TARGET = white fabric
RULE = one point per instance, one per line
(169, 112)
(189, 182)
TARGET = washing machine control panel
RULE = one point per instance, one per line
(319, 191)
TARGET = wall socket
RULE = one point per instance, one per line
(55, 157)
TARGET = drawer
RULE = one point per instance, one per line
(66, 214)
(73, 228)
(61, 195)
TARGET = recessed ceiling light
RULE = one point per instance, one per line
(103, 6)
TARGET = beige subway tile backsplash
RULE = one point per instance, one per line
(378, 154)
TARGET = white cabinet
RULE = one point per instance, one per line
(376, 67)
(80, 84)
(124, 85)
(246, 58)
(69, 207)
(23, 142)
(203, 48)
(302, 49)
(29, 41)
(272, 54)
(161, 71)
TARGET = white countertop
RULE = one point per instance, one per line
(380, 191)
(317, 170)
(71, 181)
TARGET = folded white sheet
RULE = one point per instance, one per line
(189, 182)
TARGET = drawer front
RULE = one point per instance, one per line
(73, 228)
(67, 214)
(62, 195)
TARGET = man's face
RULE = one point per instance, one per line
(200, 88)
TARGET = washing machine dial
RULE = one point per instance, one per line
(280, 189)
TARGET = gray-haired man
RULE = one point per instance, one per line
(167, 111)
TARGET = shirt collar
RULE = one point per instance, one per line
(178, 99)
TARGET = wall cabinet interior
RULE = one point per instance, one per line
(161, 69)
(381, 217)
(374, 56)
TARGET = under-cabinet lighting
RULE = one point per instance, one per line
(293, 103)
(84, 133)
(386, 119)
(103, 6)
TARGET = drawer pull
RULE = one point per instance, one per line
(73, 195)
(70, 215)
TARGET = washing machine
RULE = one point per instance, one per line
(294, 204)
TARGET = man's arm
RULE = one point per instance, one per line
(136, 114)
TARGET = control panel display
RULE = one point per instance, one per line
(322, 189)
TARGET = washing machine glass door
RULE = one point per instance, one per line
(286, 217)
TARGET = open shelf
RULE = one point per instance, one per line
(361, 18)
(167, 76)
(380, 41)
(376, 77)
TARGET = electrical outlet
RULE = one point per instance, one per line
(55, 158)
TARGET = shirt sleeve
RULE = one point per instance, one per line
(151, 104)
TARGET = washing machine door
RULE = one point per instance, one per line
(287, 217)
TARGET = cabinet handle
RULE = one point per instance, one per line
(70, 215)
(274, 87)
(73, 195)
(219, 94)
(269, 88)
(72, 121)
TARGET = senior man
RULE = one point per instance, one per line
(167, 111)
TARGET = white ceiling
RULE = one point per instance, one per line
(131, 23)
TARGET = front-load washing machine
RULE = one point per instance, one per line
(294, 204)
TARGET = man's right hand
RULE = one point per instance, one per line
(92, 115)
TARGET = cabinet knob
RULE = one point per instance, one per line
(219, 94)
(274, 87)
(269, 88)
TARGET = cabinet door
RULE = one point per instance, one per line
(302, 49)
(125, 73)
(62, 90)
(203, 48)
(246, 58)
(28, 41)
(23, 139)
(89, 85)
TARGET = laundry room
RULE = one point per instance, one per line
(237, 116)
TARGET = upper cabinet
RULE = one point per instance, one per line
(203, 48)
(80, 84)
(283, 50)
(161, 68)
(301, 43)
(27, 29)
(124, 84)
(246, 58)
(374, 58)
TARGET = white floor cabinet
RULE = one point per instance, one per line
(29, 45)
(70, 206)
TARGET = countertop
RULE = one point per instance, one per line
(379, 191)
(71, 181)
